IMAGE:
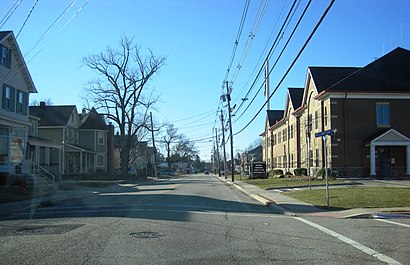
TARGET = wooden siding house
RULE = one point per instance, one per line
(16, 85)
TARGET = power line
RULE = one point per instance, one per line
(291, 65)
(238, 36)
(25, 21)
(51, 26)
(10, 12)
(288, 17)
(279, 56)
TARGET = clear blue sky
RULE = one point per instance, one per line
(197, 37)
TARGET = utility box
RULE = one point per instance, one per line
(258, 170)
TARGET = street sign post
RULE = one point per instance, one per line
(323, 134)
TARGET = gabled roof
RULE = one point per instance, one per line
(296, 96)
(22, 67)
(52, 115)
(274, 116)
(93, 120)
(390, 73)
(325, 77)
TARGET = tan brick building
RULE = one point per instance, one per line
(365, 108)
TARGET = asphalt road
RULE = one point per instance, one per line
(195, 219)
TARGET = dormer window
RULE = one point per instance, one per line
(5, 56)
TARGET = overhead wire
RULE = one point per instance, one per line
(288, 17)
(252, 34)
(291, 65)
(262, 53)
(278, 58)
(10, 12)
(51, 26)
(28, 16)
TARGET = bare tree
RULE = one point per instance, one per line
(185, 149)
(169, 137)
(121, 92)
(257, 142)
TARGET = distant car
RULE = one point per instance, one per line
(206, 172)
(167, 172)
(131, 171)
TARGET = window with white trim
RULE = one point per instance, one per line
(383, 114)
(5, 56)
(101, 138)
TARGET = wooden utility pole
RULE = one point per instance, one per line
(228, 94)
(153, 145)
(223, 141)
(217, 152)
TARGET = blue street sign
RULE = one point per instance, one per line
(327, 132)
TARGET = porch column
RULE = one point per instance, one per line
(36, 154)
(373, 160)
(81, 162)
(47, 156)
(408, 160)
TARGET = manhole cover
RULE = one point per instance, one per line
(31, 230)
(146, 234)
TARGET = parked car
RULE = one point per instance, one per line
(131, 171)
(206, 172)
(167, 172)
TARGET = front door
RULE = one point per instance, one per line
(384, 162)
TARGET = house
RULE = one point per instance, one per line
(141, 156)
(84, 138)
(363, 107)
(16, 86)
(249, 156)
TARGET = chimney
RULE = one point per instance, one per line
(42, 104)
(84, 111)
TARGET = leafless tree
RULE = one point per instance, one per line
(121, 92)
(169, 136)
(257, 142)
(185, 149)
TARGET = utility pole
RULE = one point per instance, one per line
(228, 94)
(223, 142)
(217, 152)
(153, 145)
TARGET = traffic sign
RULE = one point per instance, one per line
(327, 132)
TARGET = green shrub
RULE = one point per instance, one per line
(322, 174)
(275, 172)
(288, 173)
(300, 171)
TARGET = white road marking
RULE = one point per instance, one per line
(391, 222)
(267, 215)
(351, 242)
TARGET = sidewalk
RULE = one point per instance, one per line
(290, 206)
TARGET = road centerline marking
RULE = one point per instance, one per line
(351, 242)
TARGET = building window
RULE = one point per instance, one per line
(325, 117)
(317, 157)
(291, 132)
(100, 160)
(5, 56)
(102, 134)
(383, 114)
(21, 103)
(8, 98)
(279, 137)
(284, 134)
(316, 120)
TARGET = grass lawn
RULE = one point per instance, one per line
(356, 197)
(274, 183)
